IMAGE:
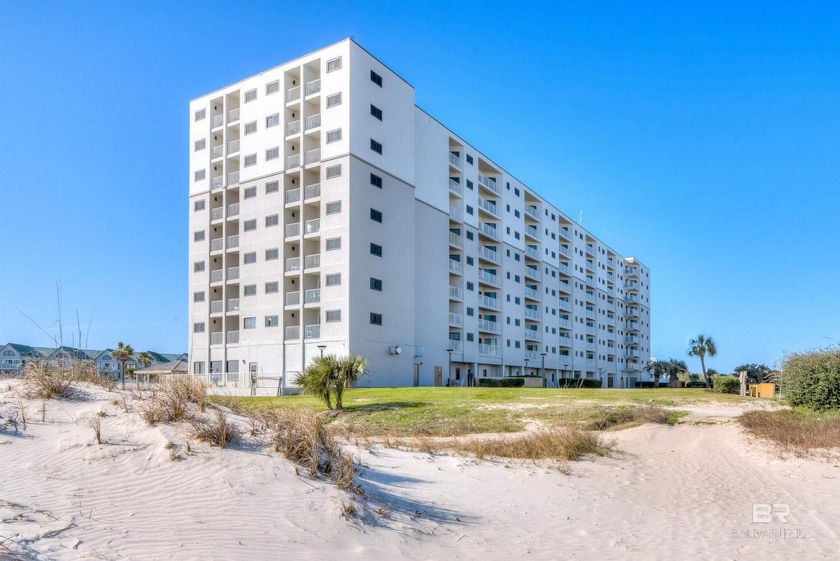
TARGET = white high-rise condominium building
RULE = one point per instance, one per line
(328, 213)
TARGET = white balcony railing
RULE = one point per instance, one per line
(488, 230)
(456, 187)
(455, 239)
(313, 121)
(456, 293)
(489, 254)
(292, 298)
(232, 337)
(488, 325)
(533, 211)
(455, 160)
(216, 338)
(489, 183)
(292, 229)
(233, 115)
(233, 210)
(217, 121)
(312, 191)
(233, 241)
(293, 161)
(531, 293)
(312, 226)
(292, 264)
(233, 304)
(488, 302)
(456, 346)
(216, 307)
(233, 273)
(488, 277)
(488, 206)
(216, 276)
(533, 232)
(564, 268)
(312, 332)
(293, 127)
(531, 356)
(531, 313)
(564, 323)
(293, 94)
(233, 146)
(217, 151)
(217, 213)
(292, 332)
(233, 178)
(312, 156)
(456, 319)
(565, 340)
(489, 350)
(533, 334)
(533, 272)
(312, 261)
(218, 181)
(564, 305)
(564, 250)
(292, 196)
(455, 213)
(312, 296)
(456, 266)
(217, 245)
(312, 87)
(532, 252)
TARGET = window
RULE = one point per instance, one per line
(375, 215)
(198, 367)
(200, 114)
(376, 78)
(470, 311)
(469, 159)
(333, 100)
(272, 287)
(249, 323)
(470, 286)
(250, 192)
(250, 225)
(251, 127)
(272, 187)
(198, 236)
(250, 290)
(333, 244)
(375, 180)
(376, 249)
(334, 171)
(470, 236)
(375, 284)
(249, 258)
(272, 254)
(469, 185)
(250, 95)
(334, 207)
(469, 209)
(198, 327)
(200, 144)
(272, 220)
(272, 87)
(470, 261)
(198, 296)
(199, 205)
(199, 175)
(375, 319)
(272, 153)
(271, 321)
(333, 279)
(333, 136)
(375, 146)
(333, 316)
(198, 266)
(470, 337)
(334, 64)
(376, 111)
(250, 160)
(272, 120)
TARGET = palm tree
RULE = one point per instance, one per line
(329, 375)
(144, 359)
(350, 369)
(122, 353)
(657, 369)
(700, 347)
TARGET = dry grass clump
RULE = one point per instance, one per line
(631, 416)
(300, 436)
(216, 431)
(172, 401)
(795, 430)
(48, 381)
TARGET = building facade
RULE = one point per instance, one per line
(328, 213)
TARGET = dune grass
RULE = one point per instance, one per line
(795, 430)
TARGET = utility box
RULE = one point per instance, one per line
(763, 390)
(438, 376)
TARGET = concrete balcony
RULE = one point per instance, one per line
(533, 273)
(455, 160)
(565, 340)
(632, 312)
(292, 332)
(312, 226)
(532, 293)
(488, 302)
(217, 214)
(489, 255)
(563, 250)
(217, 182)
(533, 335)
(233, 305)
(292, 298)
(455, 293)
(233, 147)
(233, 273)
(233, 241)
(456, 214)
(312, 122)
(488, 278)
(293, 161)
(533, 211)
(456, 346)
(533, 314)
(489, 326)
(532, 252)
(564, 305)
(591, 330)
(217, 245)
(631, 340)
(292, 265)
(456, 320)
(564, 323)
(312, 156)
(217, 121)
(233, 115)
(312, 261)
(312, 191)
(232, 337)
(292, 128)
(311, 88)
(217, 151)
(233, 178)
(532, 232)
(564, 268)
(455, 240)
(489, 207)
(591, 313)
(312, 331)
(488, 230)
(292, 196)
(590, 347)
(216, 307)
(292, 230)
(455, 187)
(489, 350)
(532, 356)
(233, 210)
(292, 94)
(564, 234)
(489, 183)
(456, 267)
(216, 338)
(312, 296)
(216, 276)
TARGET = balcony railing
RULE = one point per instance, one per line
(293, 94)
(312, 226)
(292, 196)
(293, 161)
(564, 268)
(533, 272)
(233, 178)
(591, 313)
(455, 160)
(312, 87)
(565, 340)
(233, 241)
(532, 252)
(564, 233)
(312, 191)
(456, 346)
(531, 356)
(455, 213)
(456, 293)
(631, 340)
(233, 304)
(489, 183)
(531, 293)
(488, 230)
(533, 211)
(533, 232)
(456, 266)
(292, 264)
(533, 334)
(217, 245)
(312, 296)
(216, 182)
(292, 332)
(233, 146)
(488, 206)
(233, 210)
(488, 325)
(531, 313)
(217, 151)
(216, 307)
(217, 213)
(489, 254)
(312, 156)
(456, 319)
(564, 323)
(488, 302)
(488, 277)
(217, 121)
(456, 187)
(455, 239)
(233, 273)
(564, 305)
(232, 337)
(216, 276)
(312, 261)
(292, 298)
(216, 338)
(591, 330)
(489, 350)
(313, 121)
(292, 229)
(233, 115)
(293, 127)
(312, 331)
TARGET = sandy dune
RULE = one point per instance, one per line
(684, 492)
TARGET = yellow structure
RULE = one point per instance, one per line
(762, 390)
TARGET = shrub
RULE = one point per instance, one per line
(695, 384)
(172, 402)
(48, 381)
(795, 429)
(216, 431)
(555, 444)
(501, 382)
(726, 384)
(330, 375)
(812, 378)
(579, 383)
(611, 417)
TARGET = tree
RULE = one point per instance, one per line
(657, 368)
(674, 368)
(756, 373)
(700, 347)
(328, 375)
(144, 359)
(122, 353)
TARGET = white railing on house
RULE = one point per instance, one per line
(312, 87)
(313, 156)
(292, 264)
(293, 94)
(312, 261)
(312, 191)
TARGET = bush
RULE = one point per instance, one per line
(579, 383)
(48, 381)
(695, 384)
(501, 382)
(812, 379)
(726, 384)
(171, 403)
(218, 432)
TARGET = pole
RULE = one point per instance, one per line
(543, 368)
(449, 373)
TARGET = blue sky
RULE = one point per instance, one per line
(701, 139)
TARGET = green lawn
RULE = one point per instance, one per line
(459, 411)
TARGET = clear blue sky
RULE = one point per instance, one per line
(701, 139)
